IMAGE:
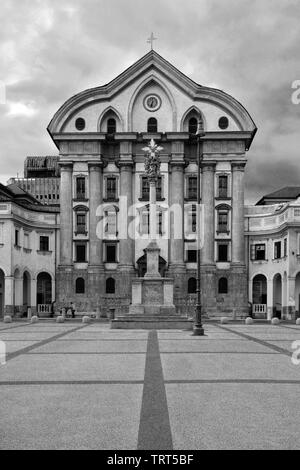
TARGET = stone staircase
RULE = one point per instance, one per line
(152, 322)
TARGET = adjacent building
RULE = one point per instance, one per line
(28, 253)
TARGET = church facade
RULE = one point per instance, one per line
(104, 196)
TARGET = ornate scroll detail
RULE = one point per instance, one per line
(152, 161)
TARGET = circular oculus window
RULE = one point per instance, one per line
(152, 102)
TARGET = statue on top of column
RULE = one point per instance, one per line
(152, 161)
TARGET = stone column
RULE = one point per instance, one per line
(269, 299)
(126, 254)
(33, 295)
(207, 201)
(9, 295)
(66, 215)
(177, 206)
(238, 238)
(95, 200)
(291, 294)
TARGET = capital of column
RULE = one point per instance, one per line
(208, 166)
(125, 166)
(177, 166)
(95, 166)
(238, 166)
(66, 166)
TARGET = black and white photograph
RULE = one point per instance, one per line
(149, 228)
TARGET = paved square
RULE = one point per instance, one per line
(74, 386)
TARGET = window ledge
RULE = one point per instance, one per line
(1, 245)
(27, 250)
(191, 199)
(280, 259)
(17, 247)
(80, 199)
(81, 233)
(110, 199)
(225, 198)
(259, 261)
(146, 199)
(44, 252)
(226, 232)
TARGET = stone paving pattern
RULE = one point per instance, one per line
(74, 386)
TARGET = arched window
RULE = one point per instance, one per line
(193, 125)
(111, 126)
(192, 285)
(80, 286)
(110, 285)
(152, 125)
(223, 286)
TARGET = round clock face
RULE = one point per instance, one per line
(152, 102)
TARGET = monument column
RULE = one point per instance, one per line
(207, 201)
(95, 200)
(66, 214)
(126, 252)
(177, 203)
(238, 243)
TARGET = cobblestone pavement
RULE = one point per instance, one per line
(74, 386)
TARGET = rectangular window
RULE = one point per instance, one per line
(26, 240)
(81, 223)
(192, 187)
(285, 247)
(111, 223)
(223, 186)
(146, 188)
(222, 252)
(258, 252)
(44, 243)
(145, 223)
(111, 188)
(80, 188)
(191, 256)
(17, 237)
(277, 250)
(80, 253)
(111, 253)
(222, 221)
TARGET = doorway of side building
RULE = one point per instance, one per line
(2, 293)
(297, 295)
(26, 292)
(259, 296)
(44, 293)
(277, 296)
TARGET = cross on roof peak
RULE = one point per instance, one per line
(150, 40)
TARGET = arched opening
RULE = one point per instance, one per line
(152, 125)
(80, 286)
(297, 295)
(223, 286)
(110, 285)
(142, 266)
(193, 125)
(44, 293)
(18, 290)
(2, 292)
(111, 126)
(277, 296)
(259, 296)
(192, 285)
(26, 291)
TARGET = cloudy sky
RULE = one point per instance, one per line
(52, 49)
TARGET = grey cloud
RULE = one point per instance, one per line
(54, 49)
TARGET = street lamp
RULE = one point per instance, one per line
(198, 329)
